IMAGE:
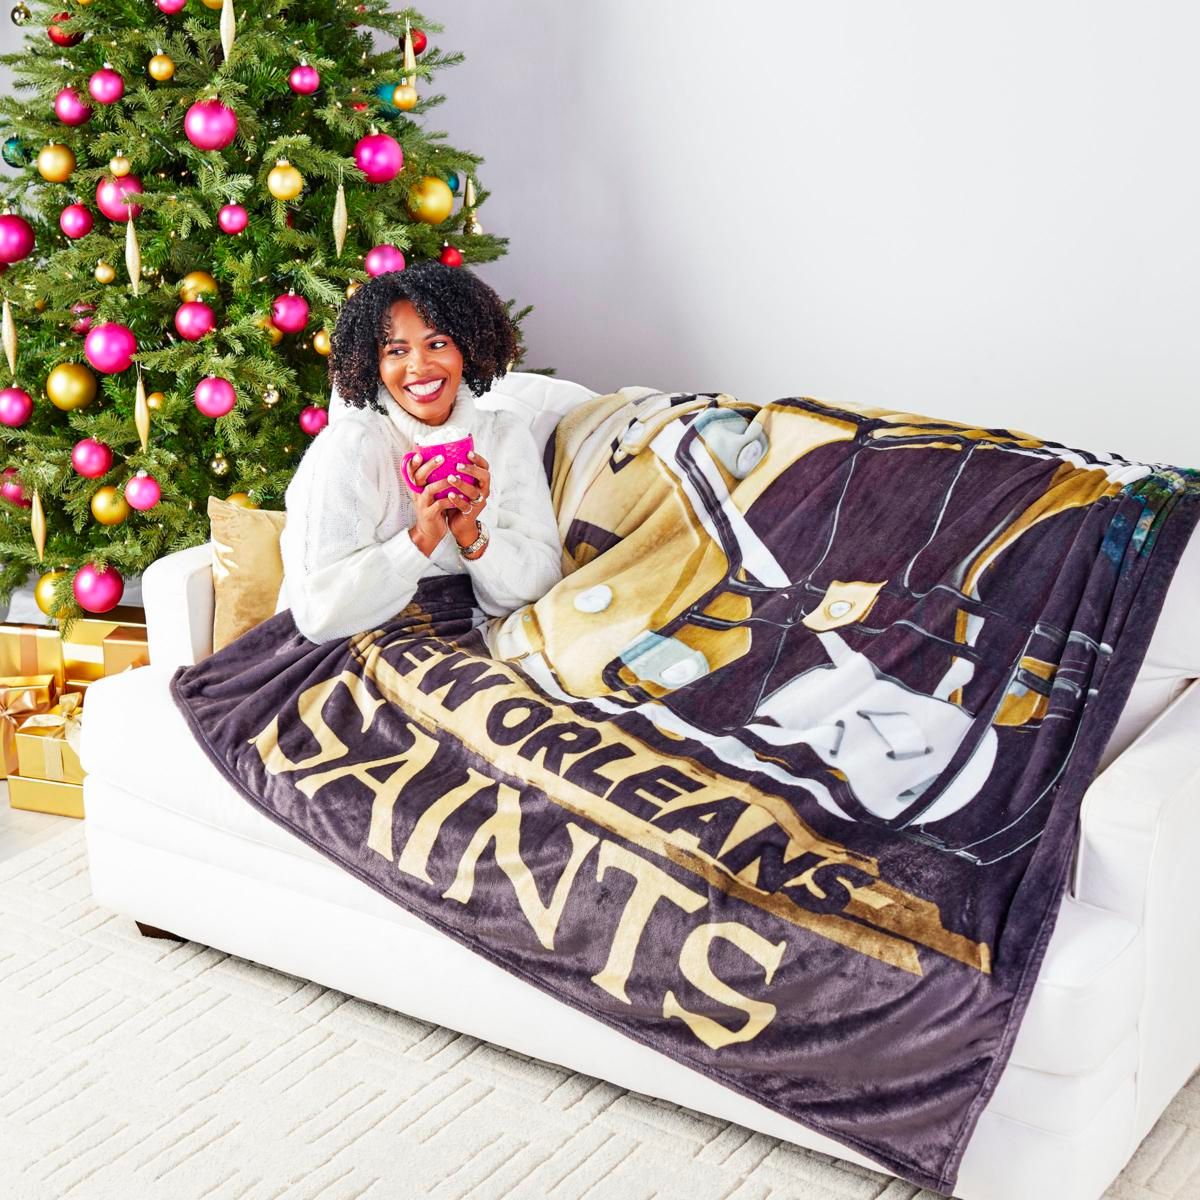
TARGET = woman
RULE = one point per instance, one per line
(411, 351)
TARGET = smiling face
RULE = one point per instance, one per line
(420, 367)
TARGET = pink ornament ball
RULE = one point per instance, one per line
(16, 238)
(194, 319)
(75, 221)
(171, 7)
(98, 590)
(215, 396)
(11, 489)
(210, 125)
(382, 259)
(289, 313)
(313, 419)
(106, 86)
(84, 312)
(233, 218)
(110, 347)
(70, 108)
(379, 157)
(304, 80)
(16, 407)
(91, 458)
(142, 491)
(111, 193)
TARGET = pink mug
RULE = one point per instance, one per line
(455, 453)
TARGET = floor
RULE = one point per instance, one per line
(19, 829)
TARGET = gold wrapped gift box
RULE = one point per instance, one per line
(43, 751)
(32, 650)
(124, 648)
(45, 795)
(83, 649)
(21, 696)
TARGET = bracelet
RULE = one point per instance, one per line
(478, 543)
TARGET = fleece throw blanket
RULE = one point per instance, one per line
(782, 779)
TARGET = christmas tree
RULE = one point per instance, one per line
(199, 191)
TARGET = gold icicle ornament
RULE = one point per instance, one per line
(37, 525)
(8, 332)
(228, 28)
(141, 413)
(471, 225)
(133, 256)
(340, 222)
(410, 58)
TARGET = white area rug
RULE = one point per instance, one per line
(136, 1068)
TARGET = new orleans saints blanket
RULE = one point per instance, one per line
(782, 778)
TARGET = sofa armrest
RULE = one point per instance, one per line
(1141, 815)
(177, 592)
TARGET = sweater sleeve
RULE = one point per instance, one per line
(341, 579)
(523, 559)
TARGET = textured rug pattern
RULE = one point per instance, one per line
(139, 1068)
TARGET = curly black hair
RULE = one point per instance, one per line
(450, 300)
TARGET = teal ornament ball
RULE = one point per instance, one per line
(14, 152)
(384, 94)
(452, 182)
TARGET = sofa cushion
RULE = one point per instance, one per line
(247, 568)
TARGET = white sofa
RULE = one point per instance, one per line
(1109, 1036)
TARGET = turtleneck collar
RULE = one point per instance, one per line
(462, 414)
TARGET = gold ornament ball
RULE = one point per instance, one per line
(20, 15)
(43, 594)
(273, 330)
(56, 162)
(213, 3)
(39, 305)
(105, 272)
(241, 498)
(270, 397)
(109, 507)
(161, 67)
(119, 165)
(321, 343)
(352, 287)
(155, 401)
(71, 386)
(430, 200)
(219, 465)
(284, 182)
(404, 97)
(195, 283)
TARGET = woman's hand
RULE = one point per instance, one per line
(472, 491)
(430, 526)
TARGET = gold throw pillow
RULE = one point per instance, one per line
(247, 567)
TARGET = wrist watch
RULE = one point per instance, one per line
(478, 543)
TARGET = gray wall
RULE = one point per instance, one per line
(986, 212)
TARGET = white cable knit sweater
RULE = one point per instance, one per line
(349, 563)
